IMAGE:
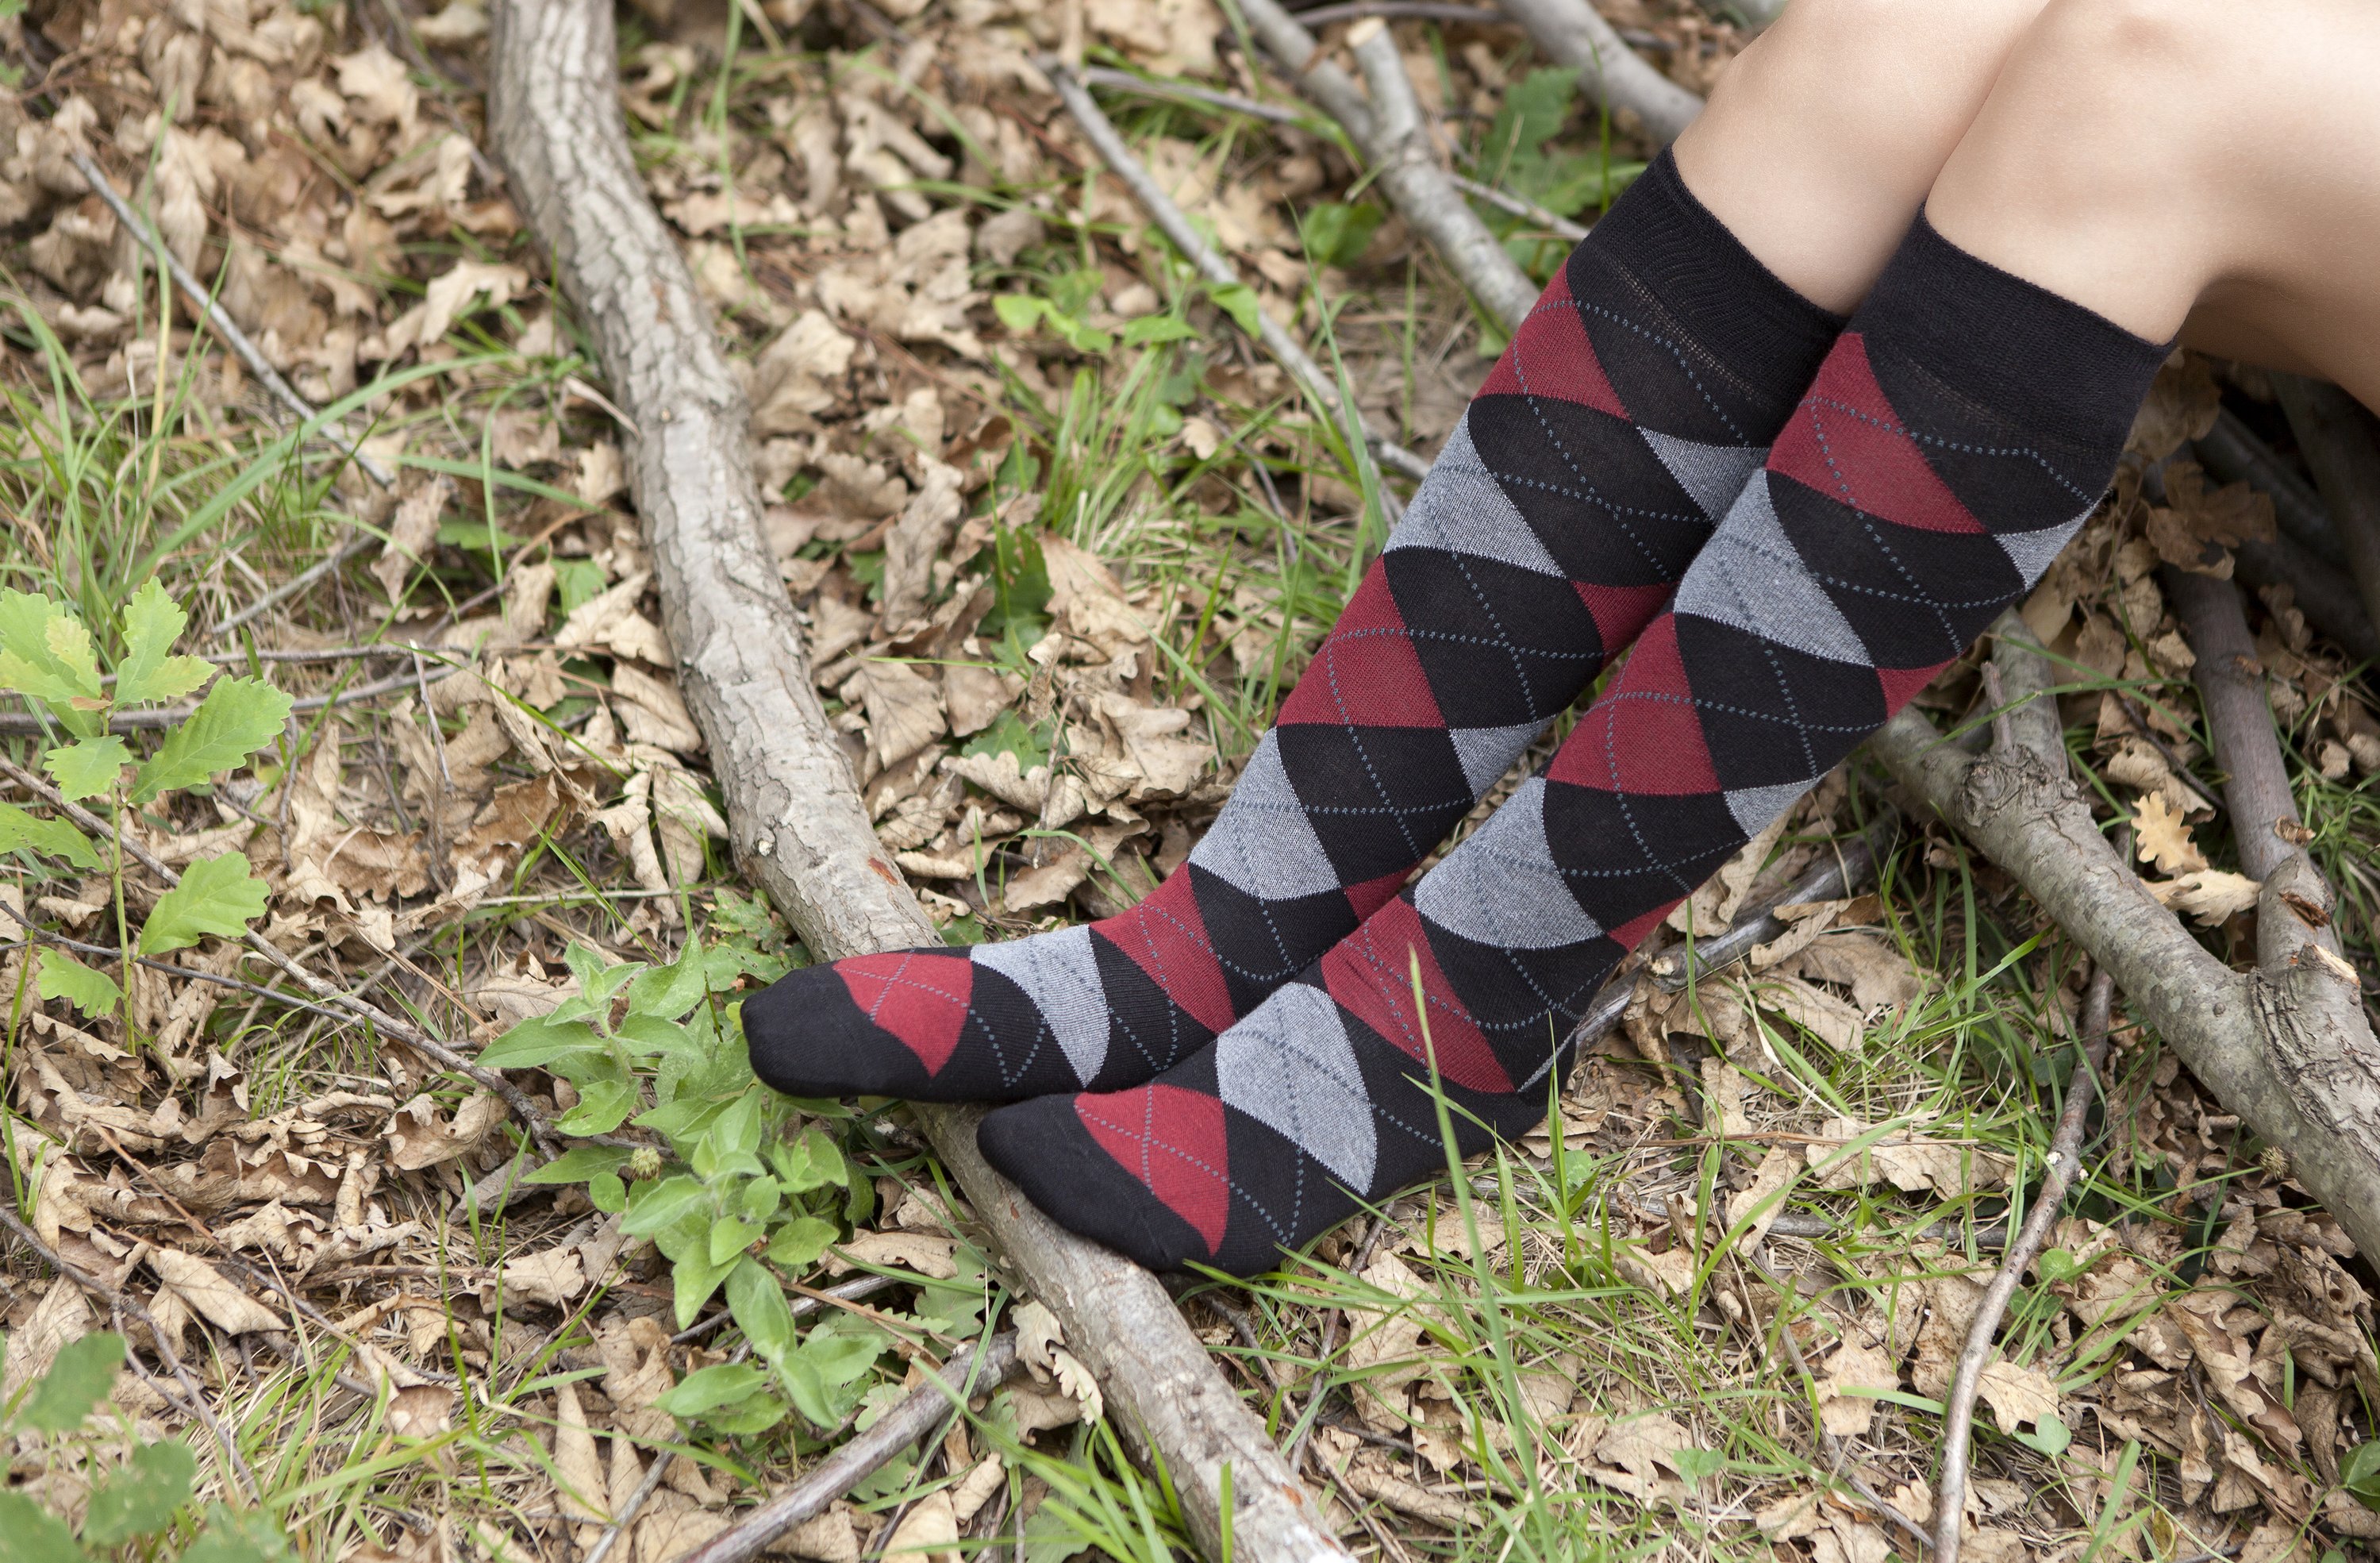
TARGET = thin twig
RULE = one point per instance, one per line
(169, 716)
(221, 320)
(399, 1030)
(1183, 91)
(119, 1303)
(1176, 225)
(1837, 1456)
(1552, 222)
(295, 585)
(968, 1371)
(2057, 1175)
(37, 937)
(1406, 10)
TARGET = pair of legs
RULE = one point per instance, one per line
(2181, 167)
(1837, 505)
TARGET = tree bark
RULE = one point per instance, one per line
(2232, 452)
(2287, 1046)
(1570, 32)
(794, 814)
(2341, 441)
(1387, 128)
(2231, 688)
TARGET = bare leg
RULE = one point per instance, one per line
(2185, 167)
(1823, 138)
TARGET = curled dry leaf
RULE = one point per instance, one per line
(419, 1136)
(928, 1532)
(2210, 896)
(1857, 1365)
(1904, 1158)
(2017, 1396)
(610, 622)
(204, 1291)
(2162, 837)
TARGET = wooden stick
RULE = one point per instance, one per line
(1171, 220)
(2287, 1046)
(1387, 130)
(2057, 1174)
(2341, 442)
(918, 1414)
(1571, 33)
(1407, 167)
(2257, 792)
(793, 814)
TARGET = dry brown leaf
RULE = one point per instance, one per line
(2197, 529)
(610, 622)
(553, 1277)
(411, 529)
(2182, 404)
(421, 1410)
(928, 1532)
(419, 1136)
(910, 548)
(203, 1288)
(1777, 1170)
(2017, 1395)
(2211, 896)
(1820, 1013)
(2162, 837)
(1716, 901)
(1906, 1158)
(651, 710)
(924, 1252)
(1879, 976)
(1446, 1511)
(1049, 885)
(905, 708)
(1858, 1364)
(1635, 1450)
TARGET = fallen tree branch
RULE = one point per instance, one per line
(968, 1372)
(1386, 130)
(2257, 793)
(2232, 453)
(1570, 32)
(793, 814)
(1407, 164)
(2286, 1047)
(2306, 556)
(1171, 221)
(2341, 442)
(2057, 1174)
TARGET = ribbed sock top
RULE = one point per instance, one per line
(2018, 346)
(1717, 290)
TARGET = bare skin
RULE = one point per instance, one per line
(2181, 167)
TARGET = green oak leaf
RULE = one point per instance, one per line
(141, 1496)
(34, 1535)
(216, 896)
(88, 767)
(148, 670)
(238, 717)
(52, 839)
(62, 976)
(82, 1374)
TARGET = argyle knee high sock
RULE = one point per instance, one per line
(1619, 424)
(1957, 435)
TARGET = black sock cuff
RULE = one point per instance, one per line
(2028, 353)
(1705, 278)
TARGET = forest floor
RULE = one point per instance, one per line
(1712, 1312)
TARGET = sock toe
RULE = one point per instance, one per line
(809, 1038)
(1043, 1148)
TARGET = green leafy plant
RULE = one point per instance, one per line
(747, 1194)
(50, 656)
(139, 1499)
